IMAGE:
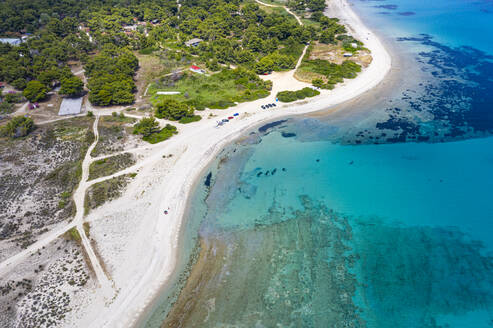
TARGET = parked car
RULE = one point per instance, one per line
(263, 107)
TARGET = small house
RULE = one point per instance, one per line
(193, 42)
(197, 69)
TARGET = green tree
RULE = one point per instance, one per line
(35, 91)
(72, 86)
(173, 110)
(146, 126)
(17, 127)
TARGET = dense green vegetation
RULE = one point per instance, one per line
(8, 100)
(172, 109)
(17, 127)
(148, 127)
(289, 96)
(35, 91)
(110, 76)
(101, 34)
(220, 90)
(72, 86)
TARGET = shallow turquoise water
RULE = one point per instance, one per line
(379, 216)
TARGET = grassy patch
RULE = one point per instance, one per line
(87, 228)
(163, 134)
(185, 120)
(110, 165)
(113, 133)
(218, 91)
(73, 234)
(104, 191)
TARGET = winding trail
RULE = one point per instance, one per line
(77, 223)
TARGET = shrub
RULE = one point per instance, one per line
(187, 119)
(290, 96)
(173, 110)
(167, 132)
(18, 126)
(146, 126)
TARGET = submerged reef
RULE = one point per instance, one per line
(316, 268)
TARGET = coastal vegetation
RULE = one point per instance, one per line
(104, 191)
(148, 127)
(110, 165)
(17, 127)
(323, 73)
(110, 76)
(290, 96)
(115, 134)
(217, 91)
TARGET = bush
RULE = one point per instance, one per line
(172, 109)
(146, 126)
(35, 91)
(167, 132)
(90, 114)
(194, 118)
(17, 127)
(290, 96)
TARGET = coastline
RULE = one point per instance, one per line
(197, 147)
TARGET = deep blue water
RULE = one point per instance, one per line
(380, 215)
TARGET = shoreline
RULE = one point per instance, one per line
(133, 305)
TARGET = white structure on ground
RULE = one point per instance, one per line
(70, 106)
(168, 92)
(11, 41)
(193, 43)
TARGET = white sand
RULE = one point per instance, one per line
(142, 253)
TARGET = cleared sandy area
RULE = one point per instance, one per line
(136, 241)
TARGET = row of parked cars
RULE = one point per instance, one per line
(225, 120)
(268, 106)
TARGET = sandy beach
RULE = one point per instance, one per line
(138, 243)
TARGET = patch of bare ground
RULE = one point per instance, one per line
(333, 53)
(115, 134)
(39, 292)
(38, 175)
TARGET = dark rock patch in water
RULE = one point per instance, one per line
(268, 126)
(288, 134)
(208, 178)
(407, 13)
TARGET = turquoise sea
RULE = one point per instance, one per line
(380, 215)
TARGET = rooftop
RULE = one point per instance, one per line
(70, 106)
